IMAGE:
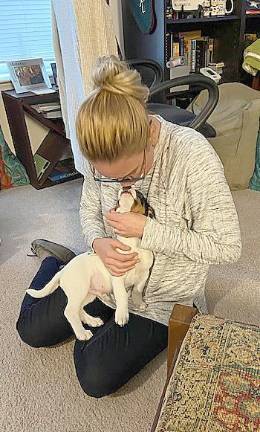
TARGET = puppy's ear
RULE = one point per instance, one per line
(147, 209)
(138, 208)
(151, 212)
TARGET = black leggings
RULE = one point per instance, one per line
(111, 357)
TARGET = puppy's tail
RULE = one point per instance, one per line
(48, 289)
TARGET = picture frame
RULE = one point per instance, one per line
(29, 75)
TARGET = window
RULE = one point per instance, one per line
(25, 32)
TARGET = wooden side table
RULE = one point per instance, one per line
(54, 145)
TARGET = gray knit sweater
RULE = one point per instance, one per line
(196, 221)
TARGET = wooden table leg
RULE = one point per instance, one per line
(256, 82)
(179, 323)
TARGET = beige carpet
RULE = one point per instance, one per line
(39, 388)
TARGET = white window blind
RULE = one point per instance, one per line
(25, 32)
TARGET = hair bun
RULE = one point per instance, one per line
(107, 67)
(113, 75)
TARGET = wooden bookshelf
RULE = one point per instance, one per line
(53, 147)
(228, 31)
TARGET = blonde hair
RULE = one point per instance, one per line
(113, 120)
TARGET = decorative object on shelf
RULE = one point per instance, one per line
(186, 9)
(217, 67)
(169, 14)
(144, 14)
(218, 7)
(29, 75)
(252, 7)
(174, 62)
(210, 73)
(186, 5)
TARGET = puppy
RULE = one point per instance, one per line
(85, 277)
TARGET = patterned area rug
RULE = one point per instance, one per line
(215, 385)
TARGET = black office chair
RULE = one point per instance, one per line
(152, 76)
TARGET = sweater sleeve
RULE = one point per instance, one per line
(214, 235)
(90, 209)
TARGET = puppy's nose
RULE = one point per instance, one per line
(126, 190)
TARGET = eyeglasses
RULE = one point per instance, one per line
(129, 179)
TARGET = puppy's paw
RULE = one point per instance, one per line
(121, 316)
(90, 320)
(95, 322)
(84, 335)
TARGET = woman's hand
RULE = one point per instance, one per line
(116, 263)
(126, 224)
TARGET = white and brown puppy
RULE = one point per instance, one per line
(85, 277)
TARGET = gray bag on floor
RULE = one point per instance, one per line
(236, 121)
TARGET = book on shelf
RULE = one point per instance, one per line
(179, 43)
(46, 107)
(198, 55)
(185, 39)
(50, 110)
(53, 114)
(63, 170)
(59, 177)
(168, 47)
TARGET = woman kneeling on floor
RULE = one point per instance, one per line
(195, 225)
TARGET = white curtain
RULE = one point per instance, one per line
(83, 30)
(116, 11)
